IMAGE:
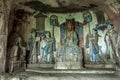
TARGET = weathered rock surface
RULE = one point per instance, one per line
(58, 76)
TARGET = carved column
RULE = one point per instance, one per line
(3, 33)
(40, 22)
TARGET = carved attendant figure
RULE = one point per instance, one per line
(92, 44)
(111, 42)
(42, 48)
(49, 48)
(13, 56)
(18, 53)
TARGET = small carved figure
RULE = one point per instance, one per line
(111, 42)
(30, 46)
(49, 48)
(42, 48)
(34, 47)
(13, 57)
(92, 44)
(17, 54)
(31, 43)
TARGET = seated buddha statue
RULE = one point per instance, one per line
(71, 35)
(68, 55)
(70, 46)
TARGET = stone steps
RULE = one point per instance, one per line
(59, 76)
(76, 71)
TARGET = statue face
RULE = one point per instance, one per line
(18, 40)
(47, 35)
(69, 26)
(43, 37)
(33, 34)
(94, 31)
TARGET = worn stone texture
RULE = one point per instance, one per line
(35, 76)
(3, 33)
(68, 65)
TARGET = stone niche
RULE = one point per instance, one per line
(69, 55)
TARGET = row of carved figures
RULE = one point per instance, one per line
(41, 46)
(112, 43)
(39, 49)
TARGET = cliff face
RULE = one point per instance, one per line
(110, 7)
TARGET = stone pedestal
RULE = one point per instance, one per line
(67, 65)
(46, 65)
(117, 72)
(40, 66)
(107, 66)
(69, 57)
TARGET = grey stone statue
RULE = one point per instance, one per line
(17, 54)
(111, 37)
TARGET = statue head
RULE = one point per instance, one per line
(69, 25)
(94, 31)
(48, 34)
(33, 33)
(42, 36)
(18, 40)
(111, 27)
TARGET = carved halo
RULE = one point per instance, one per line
(54, 20)
(87, 16)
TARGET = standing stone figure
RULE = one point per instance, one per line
(33, 45)
(13, 56)
(49, 48)
(37, 47)
(17, 54)
(92, 44)
(111, 43)
(30, 46)
(42, 48)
